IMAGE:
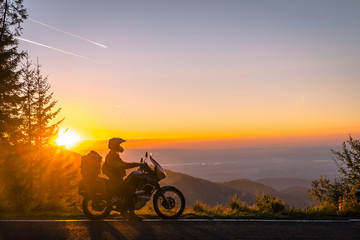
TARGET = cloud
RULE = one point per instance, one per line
(321, 161)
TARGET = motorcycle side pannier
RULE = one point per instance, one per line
(93, 186)
(90, 165)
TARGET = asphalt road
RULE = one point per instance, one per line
(79, 229)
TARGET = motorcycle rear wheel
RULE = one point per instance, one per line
(93, 211)
(173, 207)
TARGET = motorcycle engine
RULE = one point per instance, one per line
(143, 195)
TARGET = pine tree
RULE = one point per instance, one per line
(44, 114)
(37, 107)
(34, 173)
(28, 103)
(12, 15)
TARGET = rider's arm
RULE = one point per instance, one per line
(117, 162)
(130, 165)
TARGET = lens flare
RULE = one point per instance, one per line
(68, 138)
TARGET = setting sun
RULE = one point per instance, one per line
(68, 138)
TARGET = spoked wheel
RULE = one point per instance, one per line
(96, 210)
(170, 204)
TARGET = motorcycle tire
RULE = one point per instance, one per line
(95, 216)
(162, 209)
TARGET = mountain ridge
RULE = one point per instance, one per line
(213, 193)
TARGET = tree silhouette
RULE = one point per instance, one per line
(340, 191)
(28, 103)
(348, 162)
(34, 174)
(12, 15)
(44, 104)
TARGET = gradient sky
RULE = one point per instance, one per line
(201, 69)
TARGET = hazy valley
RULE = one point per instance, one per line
(212, 193)
(214, 176)
(221, 165)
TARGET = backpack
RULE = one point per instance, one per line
(91, 164)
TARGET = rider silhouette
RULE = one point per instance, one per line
(114, 167)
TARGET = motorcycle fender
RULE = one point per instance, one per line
(82, 189)
(164, 188)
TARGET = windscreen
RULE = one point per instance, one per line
(160, 171)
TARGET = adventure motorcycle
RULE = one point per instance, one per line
(99, 199)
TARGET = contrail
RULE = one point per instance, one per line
(70, 34)
(56, 49)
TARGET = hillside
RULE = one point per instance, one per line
(281, 184)
(247, 189)
(211, 193)
(295, 197)
(196, 189)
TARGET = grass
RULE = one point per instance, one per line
(217, 212)
(237, 209)
(264, 208)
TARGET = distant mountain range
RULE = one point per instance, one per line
(221, 165)
(293, 191)
(282, 184)
(212, 193)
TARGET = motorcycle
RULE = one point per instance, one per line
(99, 198)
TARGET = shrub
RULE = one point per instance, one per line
(325, 208)
(200, 207)
(348, 204)
(340, 191)
(236, 204)
(323, 190)
(218, 210)
(266, 203)
(277, 205)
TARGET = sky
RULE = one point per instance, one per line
(204, 70)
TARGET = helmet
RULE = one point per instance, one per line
(114, 144)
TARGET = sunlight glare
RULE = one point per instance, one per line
(68, 138)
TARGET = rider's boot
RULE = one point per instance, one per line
(133, 216)
(124, 214)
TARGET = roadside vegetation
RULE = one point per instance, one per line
(332, 198)
(265, 207)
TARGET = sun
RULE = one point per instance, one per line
(68, 138)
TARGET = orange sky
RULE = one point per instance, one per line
(241, 70)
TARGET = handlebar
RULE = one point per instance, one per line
(145, 167)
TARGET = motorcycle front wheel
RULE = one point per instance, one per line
(96, 210)
(174, 204)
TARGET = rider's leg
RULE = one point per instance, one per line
(130, 200)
